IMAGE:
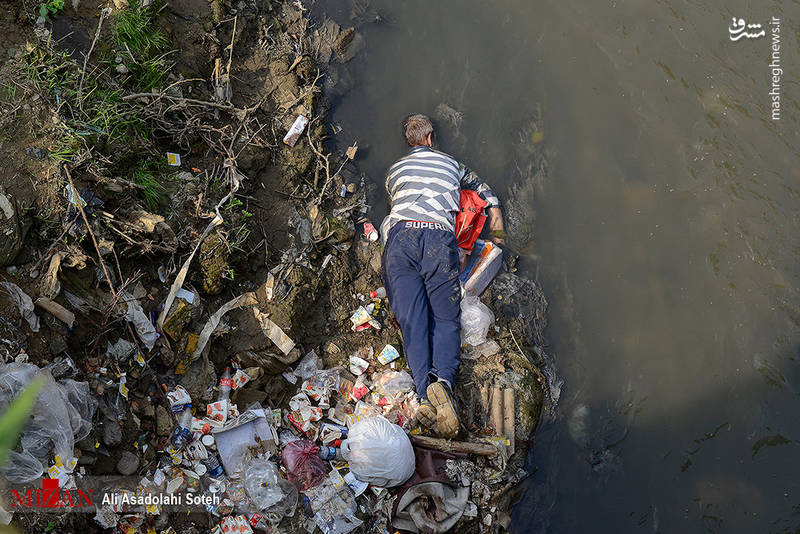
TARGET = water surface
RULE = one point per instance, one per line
(666, 236)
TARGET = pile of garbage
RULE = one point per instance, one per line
(213, 371)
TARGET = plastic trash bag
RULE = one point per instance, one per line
(476, 319)
(22, 467)
(267, 489)
(334, 505)
(84, 406)
(390, 383)
(379, 452)
(305, 469)
(63, 413)
(310, 364)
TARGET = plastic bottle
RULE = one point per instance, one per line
(378, 293)
(329, 453)
(183, 434)
(215, 469)
(225, 385)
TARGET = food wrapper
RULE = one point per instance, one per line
(360, 389)
(294, 133)
(179, 399)
(303, 419)
(218, 411)
(388, 354)
(236, 525)
(299, 401)
(358, 365)
(360, 316)
(240, 378)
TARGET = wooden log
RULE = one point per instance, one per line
(509, 430)
(497, 411)
(445, 445)
(484, 404)
(56, 309)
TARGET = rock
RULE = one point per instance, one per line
(199, 382)
(36, 153)
(121, 4)
(122, 69)
(163, 421)
(147, 409)
(112, 433)
(214, 265)
(87, 459)
(344, 40)
(128, 463)
(11, 232)
(247, 396)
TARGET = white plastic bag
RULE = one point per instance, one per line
(476, 319)
(379, 452)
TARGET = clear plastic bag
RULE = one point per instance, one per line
(310, 364)
(476, 319)
(22, 467)
(304, 467)
(267, 489)
(63, 413)
(334, 506)
(379, 452)
(390, 383)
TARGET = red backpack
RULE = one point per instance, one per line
(470, 220)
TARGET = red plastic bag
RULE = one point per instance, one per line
(470, 220)
(304, 467)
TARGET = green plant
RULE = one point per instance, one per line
(51, 8)
(16, 415)
(135, 30)
(150, 175)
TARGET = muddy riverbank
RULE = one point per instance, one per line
(148, 183)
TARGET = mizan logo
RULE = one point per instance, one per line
(51, 496)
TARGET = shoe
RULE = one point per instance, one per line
(426, 414)
(441, 398)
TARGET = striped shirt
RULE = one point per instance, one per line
(426, 185)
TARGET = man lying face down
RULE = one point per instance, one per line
(421, 266)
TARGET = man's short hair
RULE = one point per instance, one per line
(416, 128)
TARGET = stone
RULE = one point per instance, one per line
(87, 459)
(147, 409)
(163, 421)
(112, 433)
(128, 463)
(247, 396)
(11, 231)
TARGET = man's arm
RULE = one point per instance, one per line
(470, 180)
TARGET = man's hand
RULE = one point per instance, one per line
(496, 232)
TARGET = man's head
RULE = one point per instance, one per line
(418, 130)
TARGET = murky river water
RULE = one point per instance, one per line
(666, 235)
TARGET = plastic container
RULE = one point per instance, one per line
(225, 385)
(329, 453)
(215, 469)
(378, 293)
(183, 434)
(480, 267)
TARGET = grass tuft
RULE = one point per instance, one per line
(135, 29)
(150, 175)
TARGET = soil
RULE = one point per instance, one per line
(287, 222)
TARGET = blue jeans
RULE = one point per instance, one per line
(420, 273)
